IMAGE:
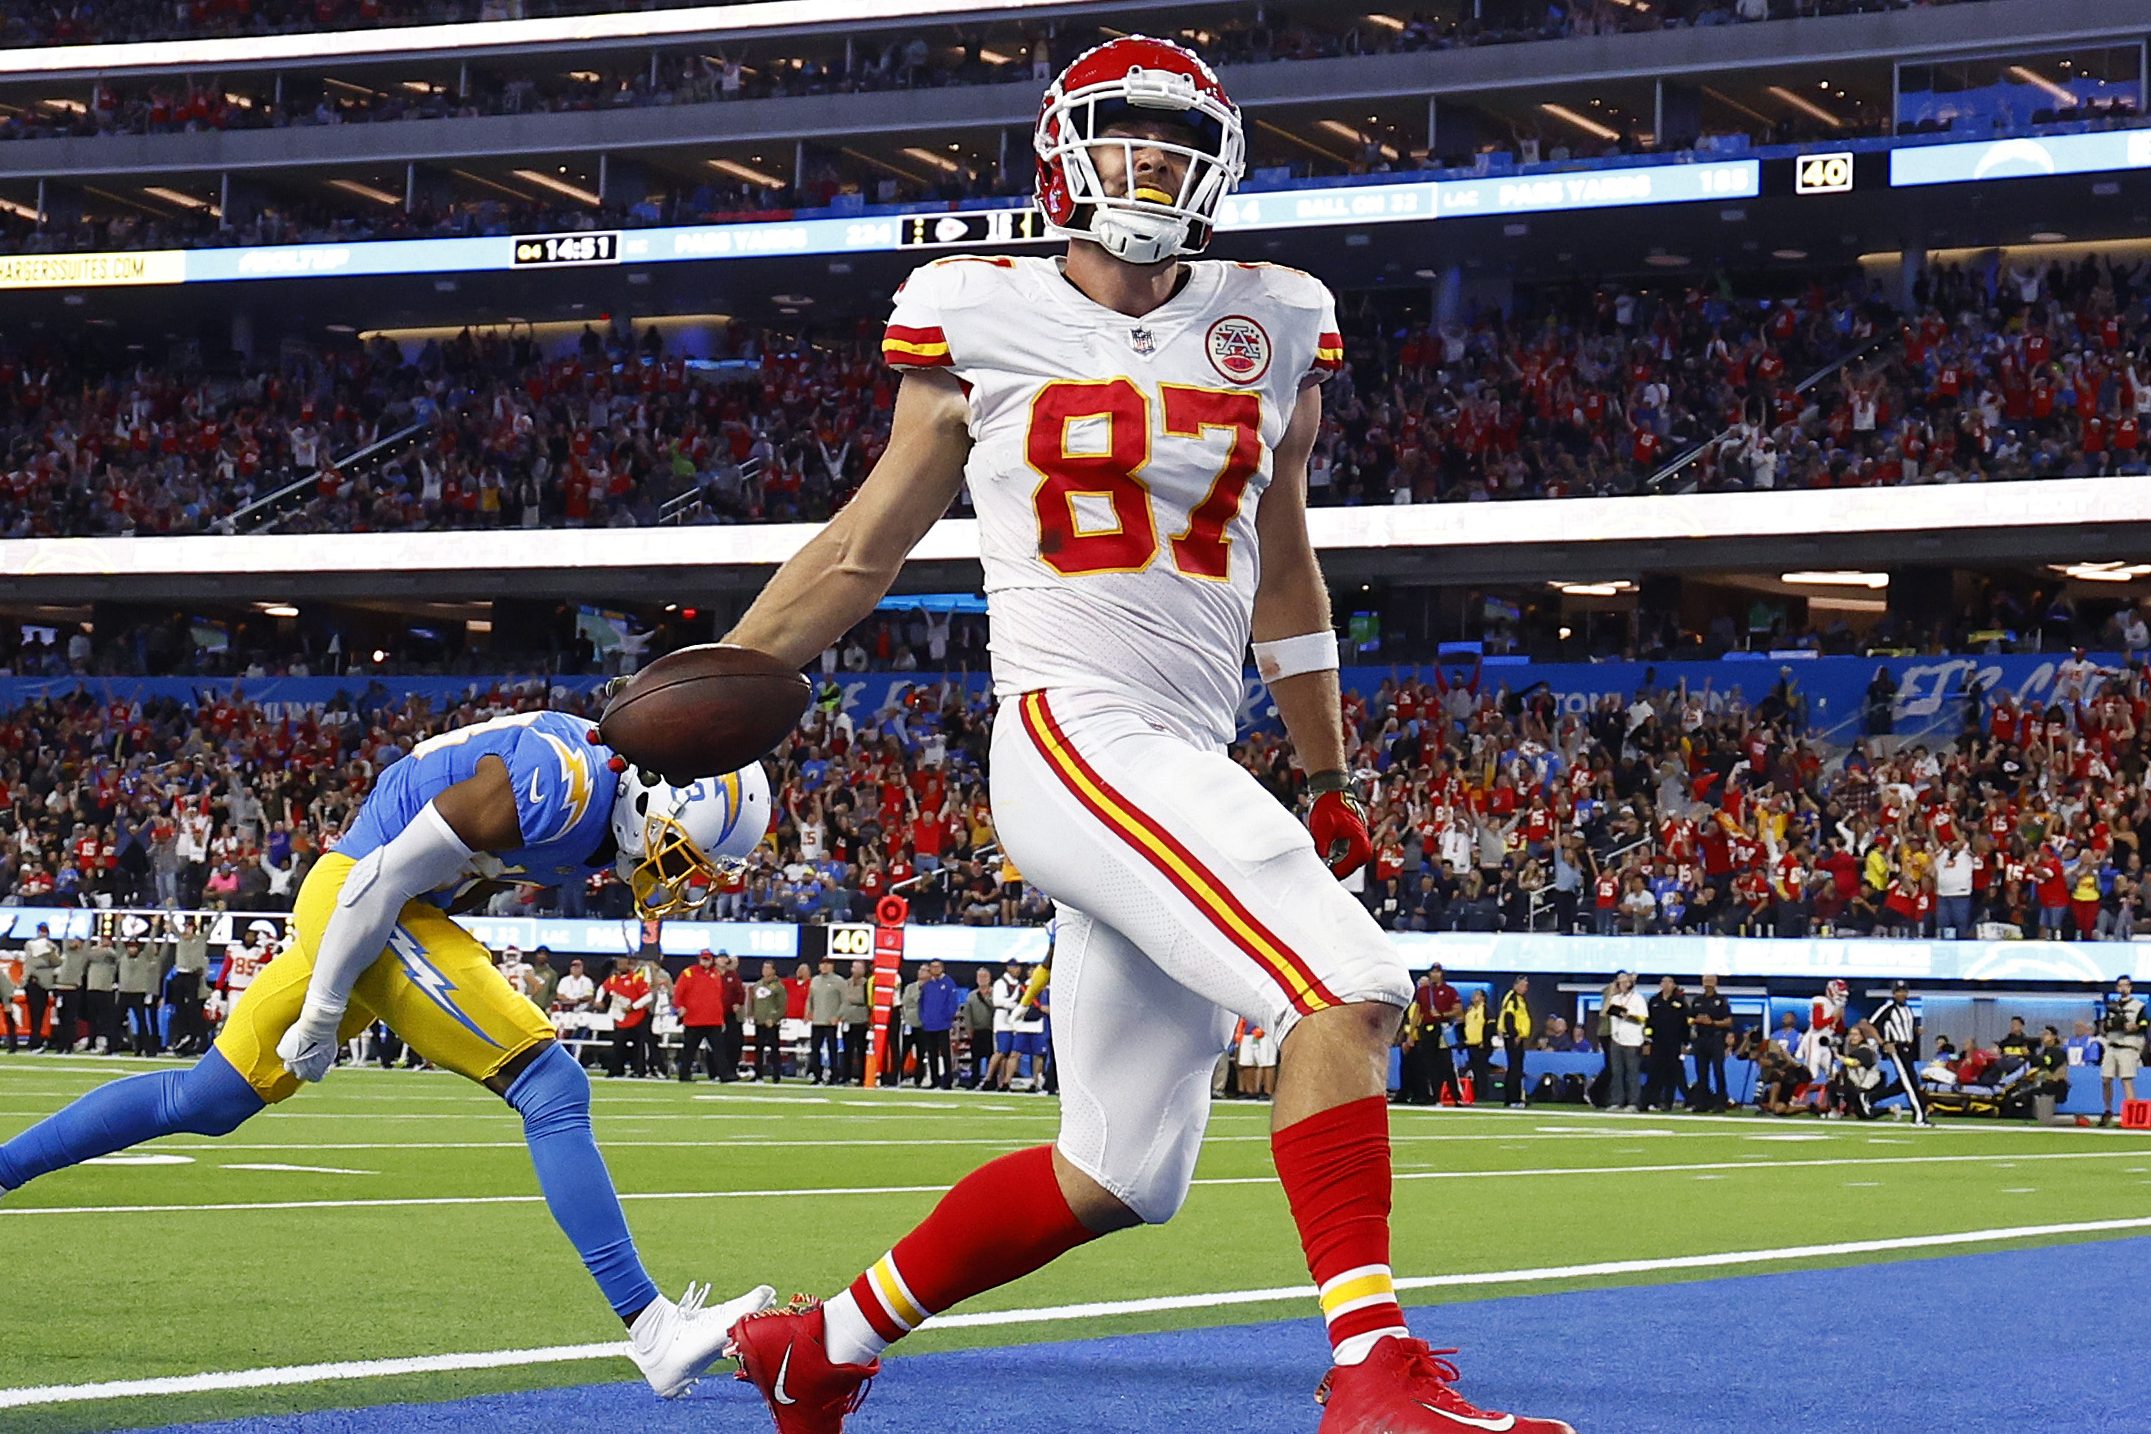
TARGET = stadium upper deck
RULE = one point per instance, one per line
(1453, 24)
(199, 142)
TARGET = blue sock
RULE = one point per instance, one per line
(553, 1097)
(208, 1098)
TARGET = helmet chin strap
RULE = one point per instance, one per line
(1138, 238)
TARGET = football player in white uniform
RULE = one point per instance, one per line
(1825, 1031)
(1134, 430)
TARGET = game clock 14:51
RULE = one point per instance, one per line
(599, 247)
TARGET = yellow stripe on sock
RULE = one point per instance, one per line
(891, 1289)
(1378, 1284)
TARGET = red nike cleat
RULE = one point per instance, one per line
(1403, 1387)
(780, 1352)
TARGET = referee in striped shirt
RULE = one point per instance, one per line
(1899, 1030)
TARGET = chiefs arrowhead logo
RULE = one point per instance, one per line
(1238, 349)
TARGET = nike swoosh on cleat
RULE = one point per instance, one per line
(1500, 1422)
(777, 1391)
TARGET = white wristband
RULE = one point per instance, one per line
(1291, 656)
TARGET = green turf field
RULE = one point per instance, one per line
(131, 1271)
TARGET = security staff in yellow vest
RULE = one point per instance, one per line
(1516, 1038)
(1478, 1024)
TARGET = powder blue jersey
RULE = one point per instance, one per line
(563, 786)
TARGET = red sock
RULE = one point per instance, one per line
(1335, 1169)
(1002, 1221)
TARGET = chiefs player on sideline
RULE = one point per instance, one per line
(1135, 433)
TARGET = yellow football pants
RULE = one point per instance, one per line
(435, 986)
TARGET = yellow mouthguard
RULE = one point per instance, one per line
(1153, 195)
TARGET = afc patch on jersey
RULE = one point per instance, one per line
(1239, 349)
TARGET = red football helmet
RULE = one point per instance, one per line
(1136, 77)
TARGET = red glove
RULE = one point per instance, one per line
(1338, 821)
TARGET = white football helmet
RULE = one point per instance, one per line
(677, 844)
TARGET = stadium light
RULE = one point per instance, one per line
(174, 196)
(489, 183)
(699, 21)
(747, 172)
(1805, 105)
(1339, 127)
(1583, 122)
(366, 191)
(2103, 572)
(1835, 579)
(1792, 514)
(2030, 76)
(559, 186)
(939, 161)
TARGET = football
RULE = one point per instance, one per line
(704, 711)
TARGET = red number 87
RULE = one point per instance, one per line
(1202, 550)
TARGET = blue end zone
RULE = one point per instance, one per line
(1969, 1342)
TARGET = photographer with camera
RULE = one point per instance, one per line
(2121, 1028)
(1859, 1073)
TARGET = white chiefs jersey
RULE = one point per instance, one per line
(242, 965)
(1116, 465)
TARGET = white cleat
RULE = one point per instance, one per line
(672, 1344)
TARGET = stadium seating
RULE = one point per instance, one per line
(1671, 812)
(1589, 392)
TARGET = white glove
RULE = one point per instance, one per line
(308, 1049)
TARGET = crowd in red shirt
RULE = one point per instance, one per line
(1675, 812)
(1667, 811)
(594, 437)
(218, 802)
(1583, 392)
(2038, 371)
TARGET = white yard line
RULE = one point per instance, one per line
(859, 1104)
(1544, 1172)
(783, 1142)
(1058, 1314)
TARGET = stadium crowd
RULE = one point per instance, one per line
(1680, 811)
(1669, 811)
(594, 437)
(2030, 372)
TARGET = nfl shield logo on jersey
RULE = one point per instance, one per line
(1141, 340)
(1238, 349)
